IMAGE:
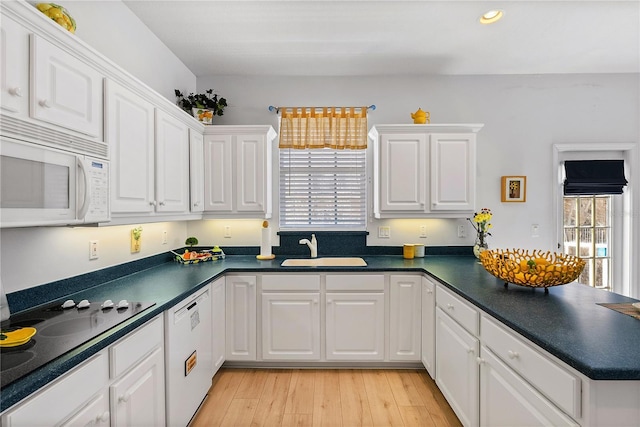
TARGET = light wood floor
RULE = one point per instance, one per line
(344, 397)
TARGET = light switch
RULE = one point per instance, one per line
(384, 232)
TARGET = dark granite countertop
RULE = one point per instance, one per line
(567, 322)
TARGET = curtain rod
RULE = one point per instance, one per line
(277, 109)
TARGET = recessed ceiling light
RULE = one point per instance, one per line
(491, 16)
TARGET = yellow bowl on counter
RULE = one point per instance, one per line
(536, 269)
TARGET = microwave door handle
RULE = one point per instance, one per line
(87, 196)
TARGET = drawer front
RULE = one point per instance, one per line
(461, 311)
(291, 282)
(135, 346)
(64, 397)
(355, 282)
(550, 379)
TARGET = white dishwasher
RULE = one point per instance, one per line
(188, 356)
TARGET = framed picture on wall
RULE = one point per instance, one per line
(514, 189)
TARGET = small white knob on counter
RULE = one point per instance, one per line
(84, 304)
(123, 303)
(107, 304)
(69, 304)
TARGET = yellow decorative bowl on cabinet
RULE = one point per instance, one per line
(535, 269)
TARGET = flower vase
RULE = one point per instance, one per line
(479, 247)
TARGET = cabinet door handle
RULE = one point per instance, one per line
(125, 397)
(161, 203)
(329, 301)
(449, 306)
(152, 203)
(196, 204)
(479, 360)
(44, 103)
(471, 350)
(315, 301)
(429, 291)
(16, 91)
(513, 354)
(102, 418)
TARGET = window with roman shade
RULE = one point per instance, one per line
(592, 177)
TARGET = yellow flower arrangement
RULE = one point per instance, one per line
(481, 222)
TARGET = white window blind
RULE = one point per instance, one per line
(322, 188)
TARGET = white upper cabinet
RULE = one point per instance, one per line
(14, 67)
(196, 170)
(237, 170)
(424, 170)
(65, 90)
(403, 167)
(129, 130)
(453, 172)
(172, 164)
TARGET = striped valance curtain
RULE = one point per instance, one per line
(323, 127)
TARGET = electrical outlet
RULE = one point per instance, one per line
(384, 232)
(423, 231)
(93, 249)
(535, 230)
(227, 231)
(164, 237)
(462, 231)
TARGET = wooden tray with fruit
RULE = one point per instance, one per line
(197, 256)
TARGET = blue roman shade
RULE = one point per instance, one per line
(590, 177)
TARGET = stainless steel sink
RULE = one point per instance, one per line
(325, 262)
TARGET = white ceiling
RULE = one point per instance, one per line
(354, 38)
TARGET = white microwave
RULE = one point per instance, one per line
(44, 186)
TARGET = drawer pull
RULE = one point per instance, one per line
(125, 397)
(44, 103)
(480, 360)
(102, 418)
(429, 291)
(513, 354)
(449, 306)
(16, 91)
(471, 350)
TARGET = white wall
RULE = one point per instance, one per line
(116, 32)
(34, 256)
(523, 117)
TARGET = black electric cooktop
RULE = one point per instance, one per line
(59, 330)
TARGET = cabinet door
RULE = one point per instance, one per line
(405, 318)
(218, 319)
(457, 373)
(241, 318)
(14, 67)
(250, 173)
(403, 163)
(453, 172)
(291, 326)
(95, 413)
(218, 173)
(355, 326)
(196, 170)
(508, 400)
(66, 398)
(428, 326)
(129, 131)
(64, 90)
(138, 398)
(172, 164)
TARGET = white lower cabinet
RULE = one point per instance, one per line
(218, 302)
(456, 368)
(355, 326)
(119, 386)
(137, 399)
(507, 400)
(429, 326)
(405, 319)
(240, 318)
(291, 326)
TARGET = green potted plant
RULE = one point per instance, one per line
(191, 241)
(203, 106)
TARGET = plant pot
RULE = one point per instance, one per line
(204, 115)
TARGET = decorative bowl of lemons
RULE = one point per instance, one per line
(535, 269)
